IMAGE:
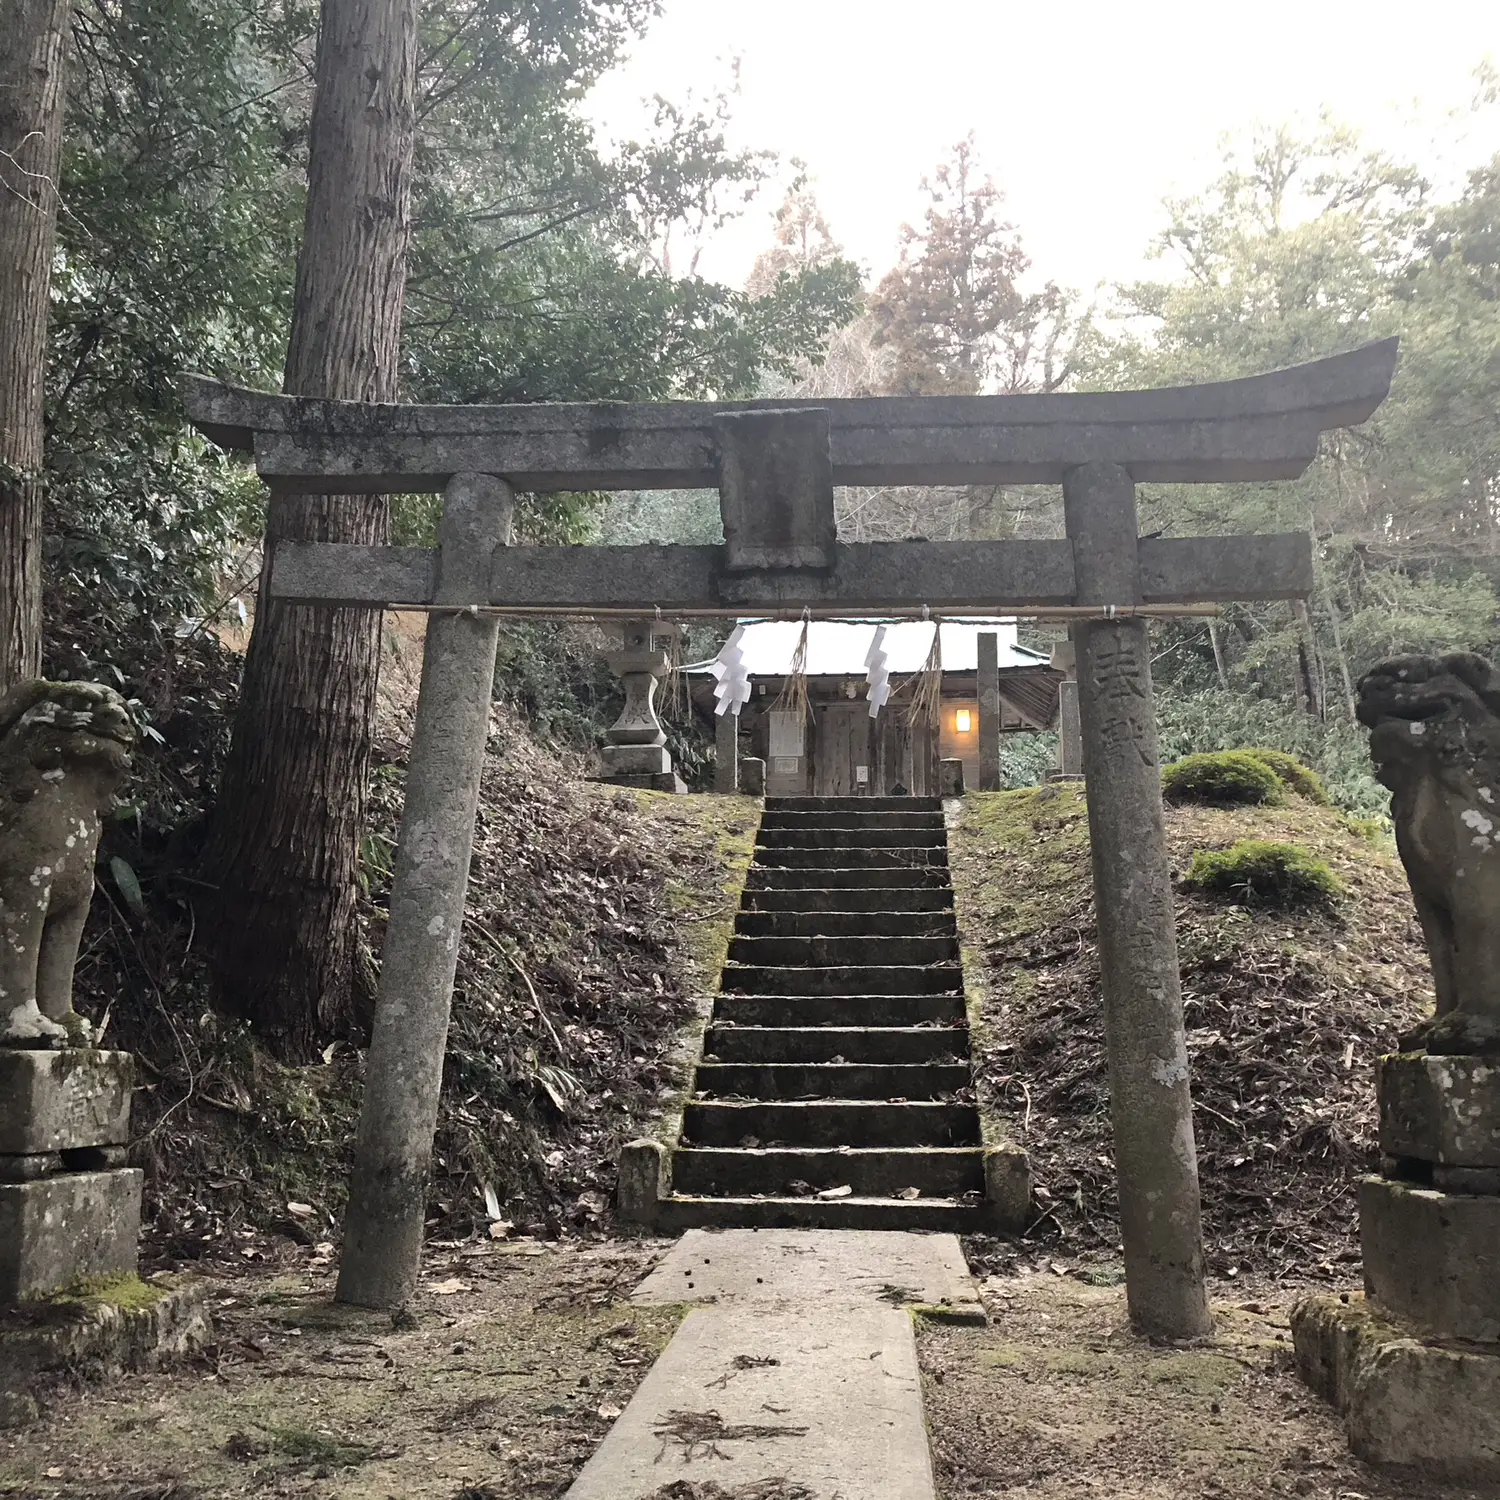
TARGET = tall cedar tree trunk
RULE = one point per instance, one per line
(33, 90)
(285, 840)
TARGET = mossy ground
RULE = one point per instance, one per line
(1058, 1399)
(1286, 1015)
(521, 1356)
(126, 1292)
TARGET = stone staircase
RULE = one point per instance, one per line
(837, 1059)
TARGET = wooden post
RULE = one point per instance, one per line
(727, 753)
(404, 1069)
(1150, 1103)
(988, 681)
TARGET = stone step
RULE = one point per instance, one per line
(821, 1044)
(840, 1122)
(811, 900)
(854, 804)
(789, 818)
(918, 856)
(843, 979)
(838, 1010)
(847, 838)
(843, 878)
(881, 1172)
(828, 1080)
(845, 924)
(933, 1214)
(813, 952)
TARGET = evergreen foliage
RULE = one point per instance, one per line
(1256, 872)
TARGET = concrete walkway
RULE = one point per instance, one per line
(799, 1366)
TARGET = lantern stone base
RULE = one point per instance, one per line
(635, 760)
(1404, 1401)
(58, 1230)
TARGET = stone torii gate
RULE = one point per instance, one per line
(775, 466)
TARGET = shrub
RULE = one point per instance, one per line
(1292, 774)
(1285, 877)
(1222, 778)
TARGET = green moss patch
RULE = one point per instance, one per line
(126, 1291)
(1225, 778)
(1257, 872)
(1299, 779)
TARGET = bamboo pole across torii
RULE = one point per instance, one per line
(775, 465)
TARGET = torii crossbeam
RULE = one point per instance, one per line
(775, 465)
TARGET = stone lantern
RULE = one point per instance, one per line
(635, 747)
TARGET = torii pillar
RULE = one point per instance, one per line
(1151, 1106)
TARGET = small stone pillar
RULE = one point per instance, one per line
(988, 683)
(1069, 728)
(727, 752)
(635, 747)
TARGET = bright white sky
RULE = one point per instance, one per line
(1087, 112)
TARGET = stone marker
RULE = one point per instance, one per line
(727, 752)
(987, 681)
(802, 1367)
(1415, 1369)
(1069, 729)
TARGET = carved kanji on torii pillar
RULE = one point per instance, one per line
(775, 466)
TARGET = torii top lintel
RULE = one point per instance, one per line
(775, 465)
(1264, 427)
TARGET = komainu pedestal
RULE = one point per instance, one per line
(1415, 1365)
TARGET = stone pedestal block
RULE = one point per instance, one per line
(63, 1100)
(57, 1230)
(950, 778)
(753, 776)
(1440, 1109)
(1433, 1258)
(645, 1179)
(1403, 1401)
(635, 760)
(1007, 1186)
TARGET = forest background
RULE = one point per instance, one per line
(546, 265)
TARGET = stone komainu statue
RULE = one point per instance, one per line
(1435, 735)
(64, 749)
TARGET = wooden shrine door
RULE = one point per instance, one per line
(842, 765)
